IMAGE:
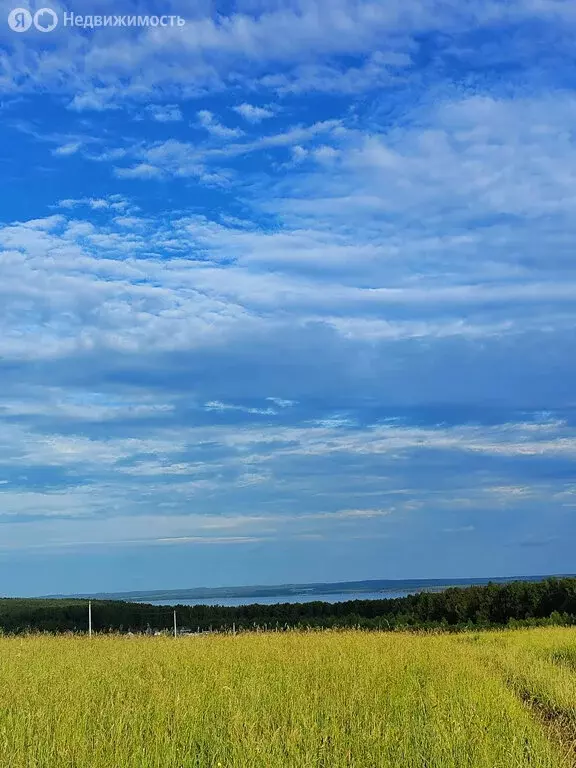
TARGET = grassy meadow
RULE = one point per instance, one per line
(348, 698)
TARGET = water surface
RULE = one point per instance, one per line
(293, 598)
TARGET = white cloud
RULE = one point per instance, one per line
(215, 405)
(140, 171)
(213, 126)
(299, 153)
(252, 113)
(280, 402)
(102, 71)
(130, 222)
(67, 149)
(106, 290)
(113, 202)
(460, 529)
(80, 528)
(165, 113)
(93, 98)
(378, 70)
(294, 135)
(413, 247)
(184, 159)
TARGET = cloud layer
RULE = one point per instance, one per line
(291, 276)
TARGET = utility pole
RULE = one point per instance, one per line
(174, 622)
(89, 618)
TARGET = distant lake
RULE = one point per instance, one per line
(335, 592)
(305, 598)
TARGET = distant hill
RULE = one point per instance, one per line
(294, 590)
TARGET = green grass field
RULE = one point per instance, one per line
(328, 699)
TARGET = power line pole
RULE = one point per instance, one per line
(89, 618)
(174, 622)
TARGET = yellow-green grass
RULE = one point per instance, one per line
(296, 699)
(540, 666)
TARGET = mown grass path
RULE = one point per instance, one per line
(297, 699)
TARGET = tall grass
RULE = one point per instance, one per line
(279, 700)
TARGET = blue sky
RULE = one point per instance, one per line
(288, 293)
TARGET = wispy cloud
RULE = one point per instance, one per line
(115, 202)
(140, 171)
(165, 113)
(213, 126)
(295, 276)
(215, 405)
(67, 149)
(253, 113)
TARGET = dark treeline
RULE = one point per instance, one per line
(515, 603)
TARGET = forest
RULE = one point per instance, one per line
(517, 603)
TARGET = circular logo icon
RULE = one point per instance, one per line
(20, 20)
(45, 20)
